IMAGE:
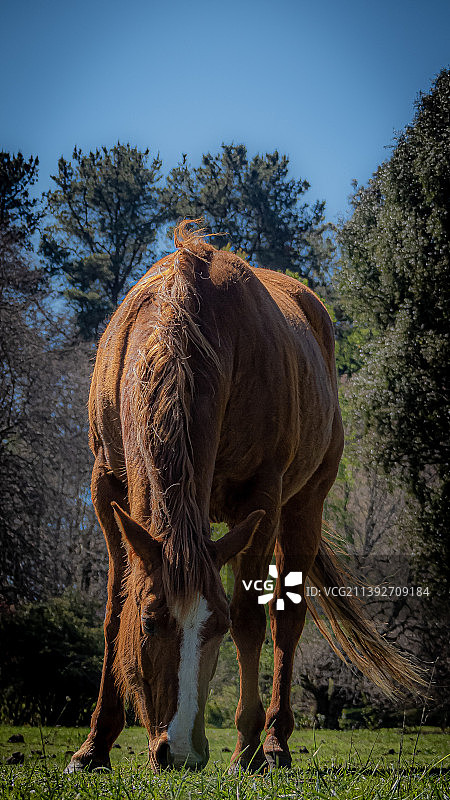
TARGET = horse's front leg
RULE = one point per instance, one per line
(297, 544)
(108, 718)
(296, 548)
(248, 627)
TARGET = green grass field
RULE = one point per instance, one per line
(370, 765)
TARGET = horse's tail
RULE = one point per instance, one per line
(353, 633)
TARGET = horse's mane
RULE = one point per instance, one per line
(161, 406)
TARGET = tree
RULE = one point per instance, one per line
(395, 281)
(20, 356)
(51, 659)
(105, 220)
(19, 212)
(255, 206)
(45, 522)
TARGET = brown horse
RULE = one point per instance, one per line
(214, 397)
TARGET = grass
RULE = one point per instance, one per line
(363, 765)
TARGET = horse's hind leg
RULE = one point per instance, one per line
(108, 718)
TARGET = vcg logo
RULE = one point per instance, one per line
(268, 586)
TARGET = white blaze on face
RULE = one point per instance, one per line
(180, 729)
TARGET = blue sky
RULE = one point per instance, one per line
(326, 83)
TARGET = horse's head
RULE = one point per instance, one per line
(167, 649)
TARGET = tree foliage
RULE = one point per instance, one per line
(255, 205)
(19, 211)
(21, 398)
(106, 214)
(395, 281)
(51, 662)
(46, 523)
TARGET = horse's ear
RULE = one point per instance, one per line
(147, 548)
(237, 539)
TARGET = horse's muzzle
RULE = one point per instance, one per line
(165, 758)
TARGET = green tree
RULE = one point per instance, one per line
(395, 282)
(19, 213)
(51, 659)
(106, 215)
(23, 399)
(48, 534)
(255, 205)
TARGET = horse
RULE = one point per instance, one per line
(214, 398)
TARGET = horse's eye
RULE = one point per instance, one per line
(149, 627)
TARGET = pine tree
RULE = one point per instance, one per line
(255, 206)
(106, 215)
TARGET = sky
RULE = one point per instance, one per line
(327, 83)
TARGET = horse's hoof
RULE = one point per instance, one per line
(93, 765)
(278, 758)
(253, 764)
(73, 766)
(276, 755)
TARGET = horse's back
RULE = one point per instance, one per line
(282, 388)
(302, 309)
